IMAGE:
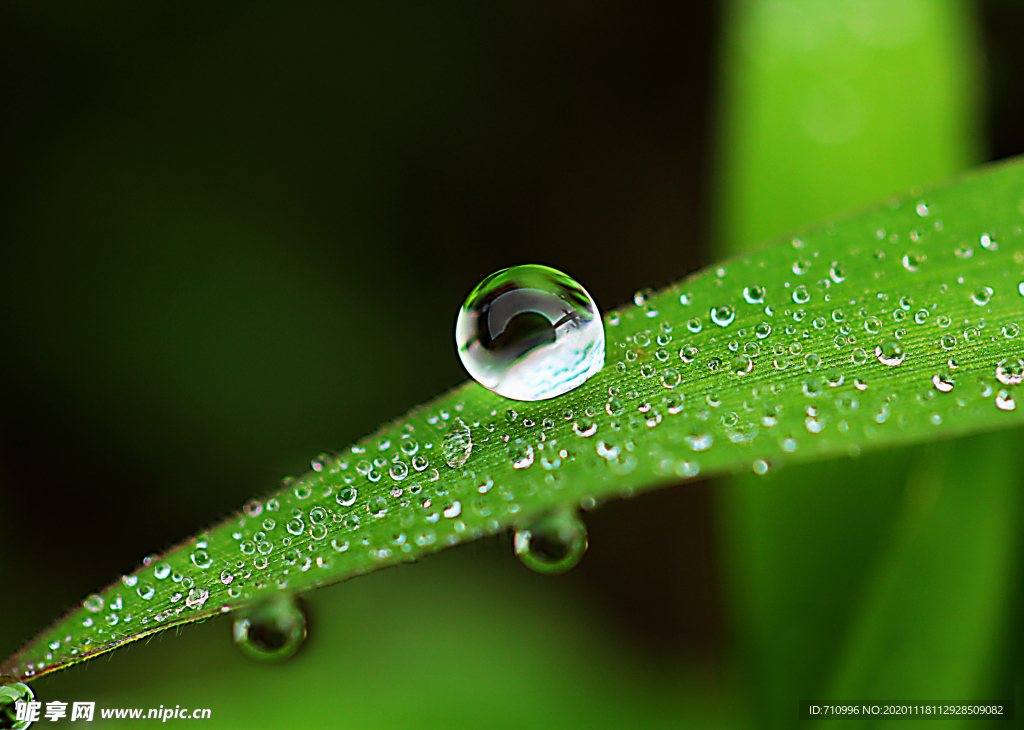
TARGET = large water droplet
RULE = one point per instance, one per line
(552, 544)
(530, 333)
(13, 692)
(271, 631)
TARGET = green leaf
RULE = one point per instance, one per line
(818, 346)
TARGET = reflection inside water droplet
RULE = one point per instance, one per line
(271, 631)
(552, 544)
(530, 333)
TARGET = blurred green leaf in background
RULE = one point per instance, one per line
(891, 576)
(239, 236)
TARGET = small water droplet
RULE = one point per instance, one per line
(346, 496)
(700, 442)
(1005, 401)
(741, 365)
(912, 260)
(586, 429)
(890, 353)
(378, 506)
(399, 470)
(670, 378)
(814, 424)
(457, 444)
(947, 341)
(552, 544)
(521, 454)
(753, 294)
(943, 382)
(801, 295)
(982, 295)
(837, 272)
(271, 631)
(723, 316)
(1010, 371)
(988, 242)
(530, 333)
